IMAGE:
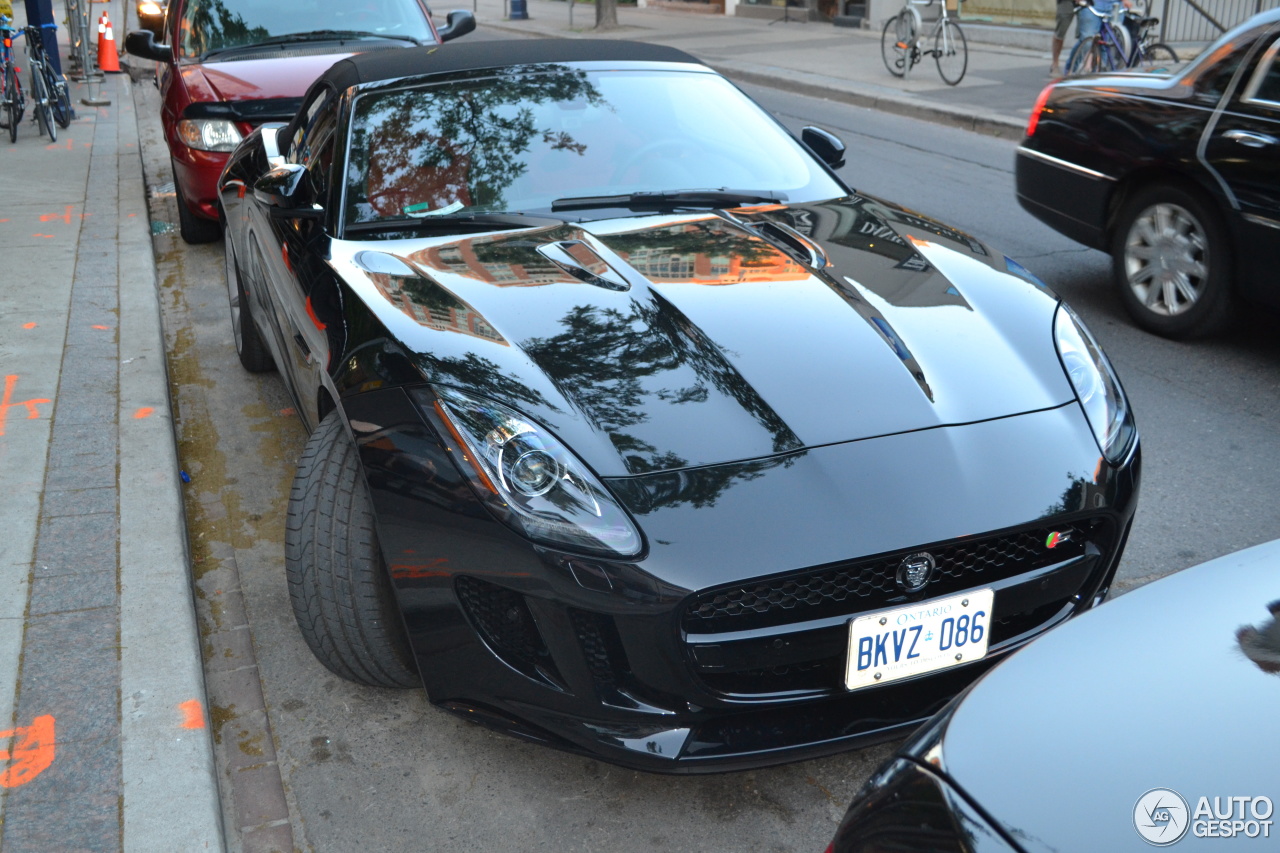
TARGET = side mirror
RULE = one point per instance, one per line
(458, 23)
(285, 189)
(143, 43)
(827, 146)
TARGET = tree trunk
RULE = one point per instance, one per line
(606, 14)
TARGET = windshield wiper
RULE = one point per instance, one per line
(448, 221)
(313, 35)
(669, 199)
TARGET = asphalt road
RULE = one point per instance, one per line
(371, 769)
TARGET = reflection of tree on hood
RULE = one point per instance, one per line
(214, 26)
(438, 146)
(603, 356)
(712, 239)
(1262, 645)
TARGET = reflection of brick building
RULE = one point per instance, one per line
(435, 307)
(660, 264)
(493, 263)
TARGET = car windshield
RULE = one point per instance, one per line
(524, 141)
(215, 25)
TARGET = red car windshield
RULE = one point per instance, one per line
(209, 25)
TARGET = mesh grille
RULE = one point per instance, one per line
(850, 587)
(503, 618)
(601, 646)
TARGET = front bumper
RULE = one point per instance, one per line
(722, 647)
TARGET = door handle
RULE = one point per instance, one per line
(302, 347)
(1249, 138)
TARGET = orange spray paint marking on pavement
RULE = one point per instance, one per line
(28, 325)
(6, 402)
(64, 216)
(45, 236)
(103, 328)
(192, 714)
(32, 752)
(144, 412)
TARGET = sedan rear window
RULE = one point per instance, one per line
(520, 141)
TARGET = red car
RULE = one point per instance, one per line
(231, 65)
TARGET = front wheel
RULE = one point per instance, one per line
(43, 106)
(1158, 56)
(339, 587)
(897, 41)
(951, 52)
(1171, 262)
(1078, 61)
(12, 102)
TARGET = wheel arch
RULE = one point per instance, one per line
(1139, 179)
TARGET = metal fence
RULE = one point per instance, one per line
(1204, 20)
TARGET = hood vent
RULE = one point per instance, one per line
(583, 263)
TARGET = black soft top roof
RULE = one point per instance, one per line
(468, 56)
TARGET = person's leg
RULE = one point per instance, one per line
(1065, 11)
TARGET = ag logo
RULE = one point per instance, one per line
(1161, 816)
(915, 570)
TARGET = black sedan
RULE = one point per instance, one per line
(1147, 722)
(637, 432)
(1178, 177)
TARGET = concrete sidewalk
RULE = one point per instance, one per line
(104, 737)
(817, 59)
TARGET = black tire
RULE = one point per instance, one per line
(194, 229)
(1158, 55)
(897, 30)
(951, 52)
(340, 590)
(1171, 262)
(254, 355)
(12, 102)
(59, 97)
(43, 106)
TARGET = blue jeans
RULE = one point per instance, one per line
(1087, 23)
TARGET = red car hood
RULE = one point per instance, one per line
(286, 76)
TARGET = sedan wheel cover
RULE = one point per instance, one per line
(1166, 259)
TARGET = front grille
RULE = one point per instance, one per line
(867, 584)
(502, 617)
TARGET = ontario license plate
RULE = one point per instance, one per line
(932, 635)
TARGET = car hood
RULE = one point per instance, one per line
(1174, 685)
(652, 343)
(283, 75)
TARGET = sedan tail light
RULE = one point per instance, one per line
(1037, 109)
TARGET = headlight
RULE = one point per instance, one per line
(208, 134)
(529, 479)
(1096, 384)
(149, 9)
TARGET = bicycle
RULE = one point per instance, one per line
(900, 43)
(48, 89)
(1147, 52)
(14, 102)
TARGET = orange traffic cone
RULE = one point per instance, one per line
(108, 57)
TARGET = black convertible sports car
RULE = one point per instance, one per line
(1177, 176)
(636, 431)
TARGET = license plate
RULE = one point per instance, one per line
(932, 635)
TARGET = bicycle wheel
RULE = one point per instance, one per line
(1108, 56)
(896, 42)
(12, 107)
(1078, 58)
(59, 97)
(44, 110)
(1157, 57)
(951, 52)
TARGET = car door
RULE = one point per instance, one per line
(1243, 149)
(293, 250)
